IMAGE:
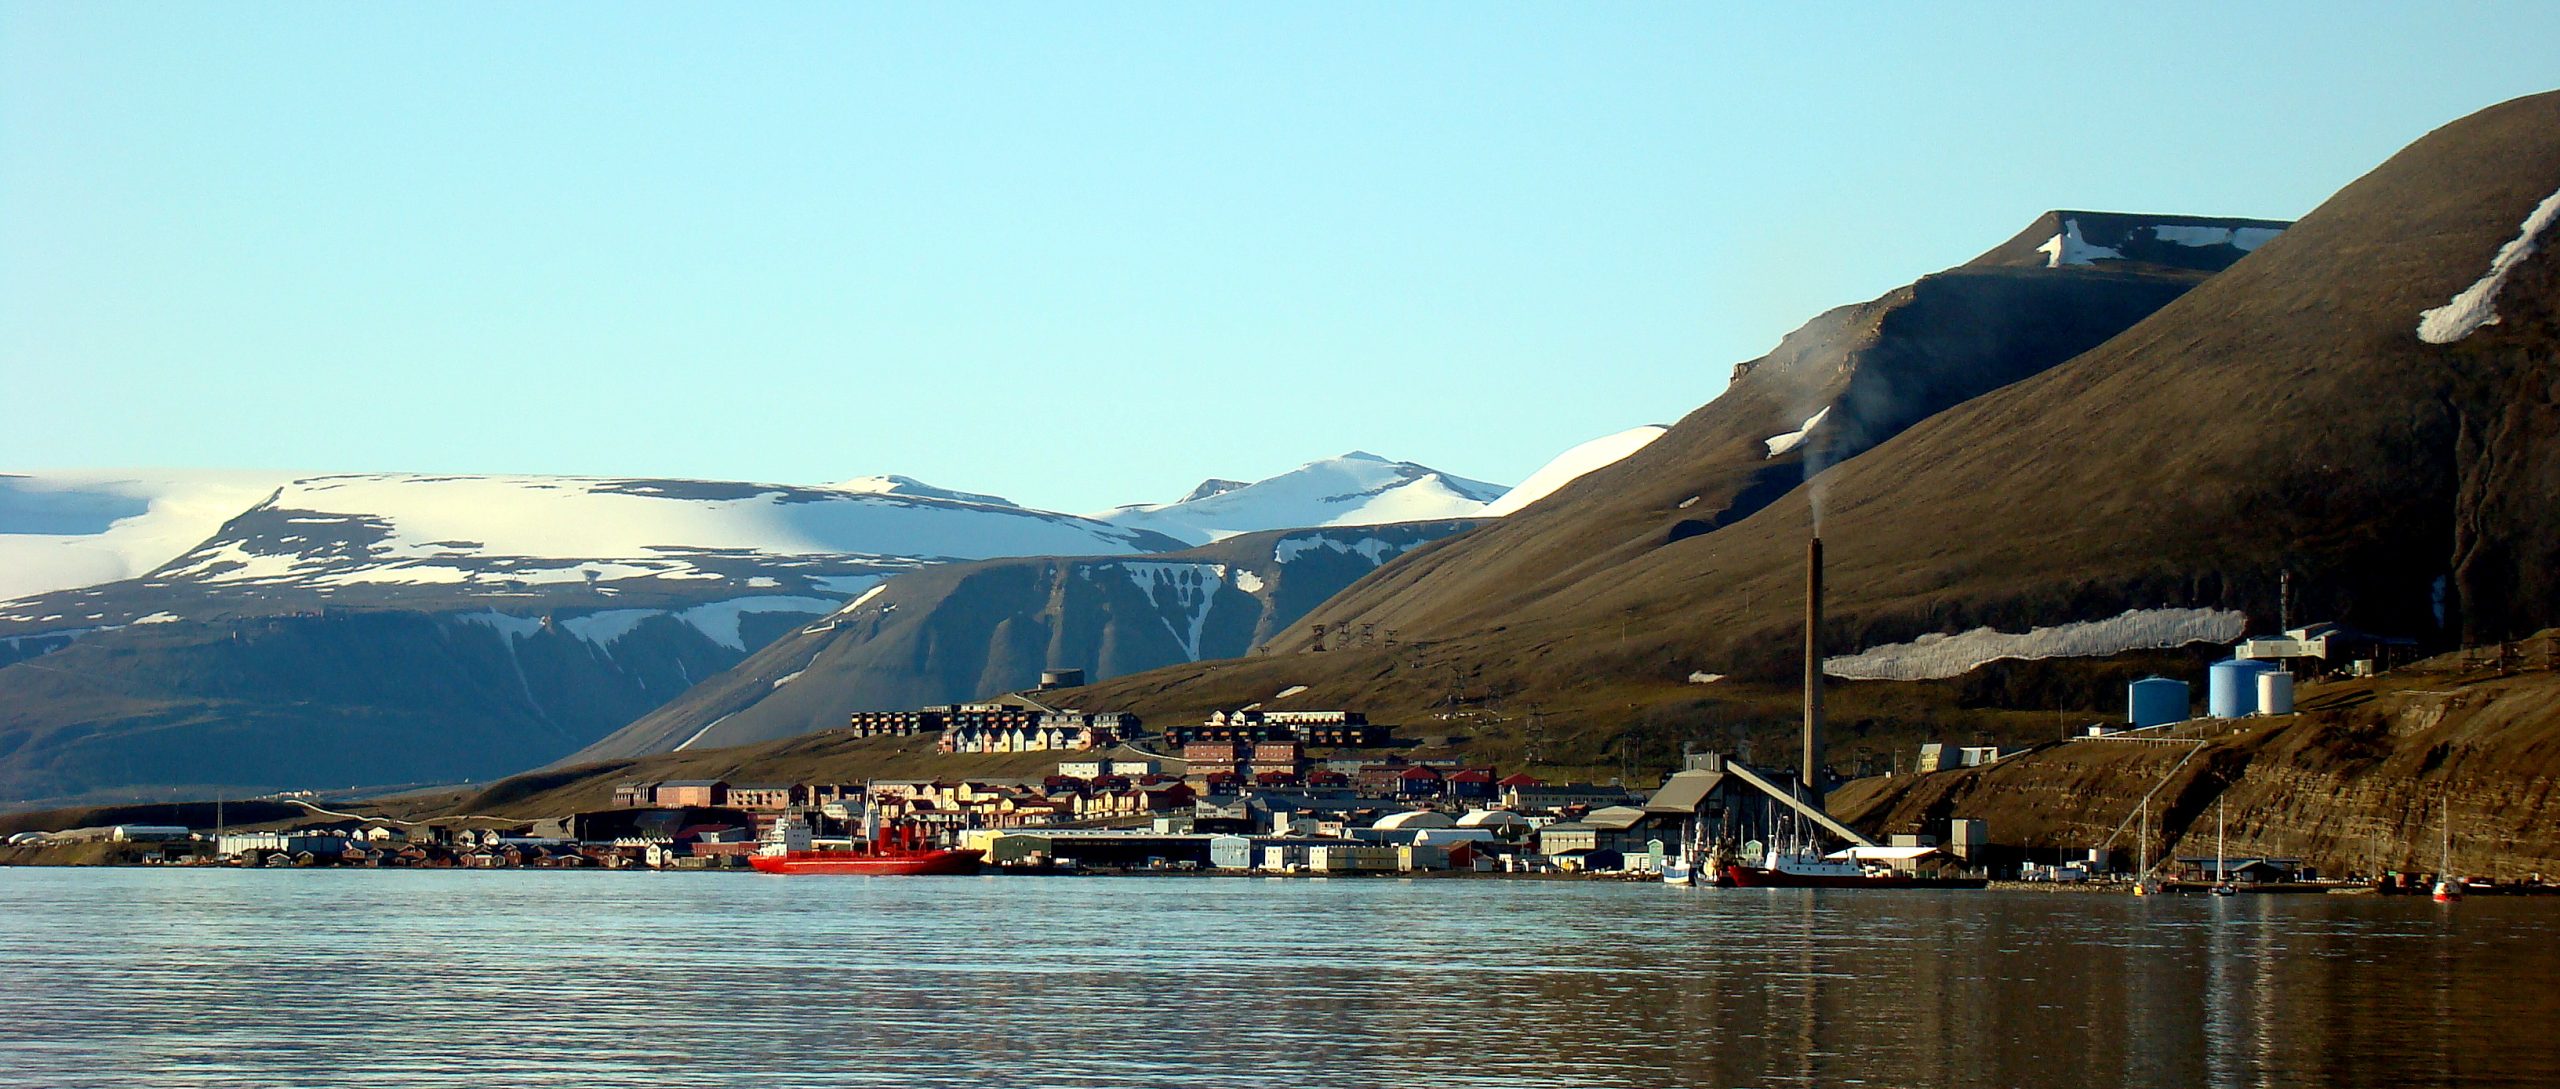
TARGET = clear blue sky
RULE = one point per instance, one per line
(1078, 256)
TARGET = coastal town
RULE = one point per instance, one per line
(1276, 793)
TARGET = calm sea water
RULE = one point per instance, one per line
(337, 978)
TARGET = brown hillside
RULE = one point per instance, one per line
(2282, 417)
(2358, 782)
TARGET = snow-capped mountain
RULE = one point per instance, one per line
(60, 530)
(413, 540)
(462, 626)
(1356, 489)
(433, 627)
(1572, 465)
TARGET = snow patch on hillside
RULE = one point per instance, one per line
(718, 621)
(698, 735)
(2068, 248)
(1188, 588)
(606, 628)
(2244, 239)
(1572, 465)
(1356, 489)
(512, 627)
(1936, 655)
(1249, 582)
(1779, 444)
(1375, 550)
(875, 591)
(2476, 305)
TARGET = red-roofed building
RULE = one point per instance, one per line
(1472, 784)
(1420, 781)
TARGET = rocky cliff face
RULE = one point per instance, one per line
(2362, 781)
(336, 699)
(966, 631)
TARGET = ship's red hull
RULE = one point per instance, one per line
(1743, 877)
(892, 863)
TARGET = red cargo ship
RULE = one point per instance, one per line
(891, 862)
(891, 853)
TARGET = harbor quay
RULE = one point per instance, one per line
(1125, 817)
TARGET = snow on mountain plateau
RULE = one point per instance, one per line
(63, 529)
(101, 547)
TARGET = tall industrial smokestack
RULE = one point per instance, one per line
(1813, 669)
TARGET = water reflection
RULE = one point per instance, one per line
(530, 978)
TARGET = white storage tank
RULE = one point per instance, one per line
(2231, 687)
(2275, 692)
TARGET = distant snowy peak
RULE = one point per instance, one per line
(1356, 489)
(1572, 465)
(1211, 488)
(910, 486)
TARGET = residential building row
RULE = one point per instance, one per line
(1000, 727)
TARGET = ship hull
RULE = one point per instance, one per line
(1744, 877)
(859, 864)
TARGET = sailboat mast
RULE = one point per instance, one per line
(2142, 845)
(2444, 866)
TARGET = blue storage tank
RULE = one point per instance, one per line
(2156, 701)
(2231, 687)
